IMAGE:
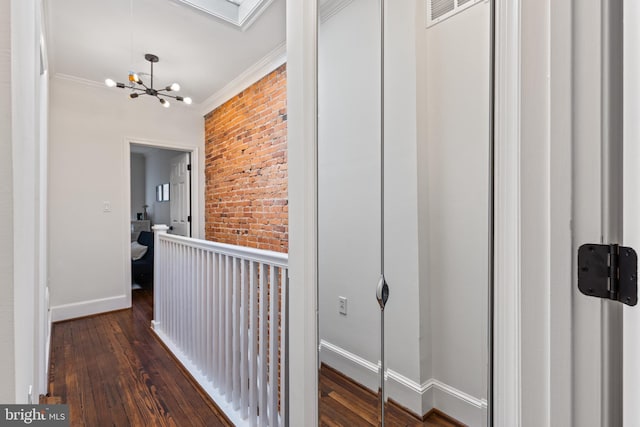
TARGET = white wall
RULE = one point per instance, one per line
(455, 162)
(158, 172)
(408, 349)
(6, 212)
(89, 163)
(138, 184)
(349, 186)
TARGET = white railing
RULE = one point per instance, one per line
(221, 309)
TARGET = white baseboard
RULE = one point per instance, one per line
(88, 308)
(458, 404)
(418, 398)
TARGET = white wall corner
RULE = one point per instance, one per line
(267, 64)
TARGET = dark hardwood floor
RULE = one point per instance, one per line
(346, 403)
(112, 371)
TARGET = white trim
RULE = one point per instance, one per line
(507, 345)
(24, 78)
(257, 71)
(403, 390)
(48, 337)
(331, 8)
(89, 308)
(631, 205)
(301, 36)
(561, 199)
(239, 15)
(246, 18)
(301, 140)
(197, 181)
(277, 259)
(458, 394)
(80, 80)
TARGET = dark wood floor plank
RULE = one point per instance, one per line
(343, 402)
(112, 371)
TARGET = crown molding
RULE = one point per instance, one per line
(270, 62)
(79, 80)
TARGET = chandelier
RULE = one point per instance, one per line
(139, 88)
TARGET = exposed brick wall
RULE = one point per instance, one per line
(246, 167)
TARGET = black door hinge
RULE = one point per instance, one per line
(189, 218)
(189, 167)
(608, 271)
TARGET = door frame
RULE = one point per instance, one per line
(533, 348)
(631, 207)
(197, 197)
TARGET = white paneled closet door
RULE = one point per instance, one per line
(180, 195)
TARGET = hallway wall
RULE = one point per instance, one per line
(6, 213)
(454, 162)
(89, 247)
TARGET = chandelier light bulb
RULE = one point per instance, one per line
(162, 94)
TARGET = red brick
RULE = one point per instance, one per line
(246, 167)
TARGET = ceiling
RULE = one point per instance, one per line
(95, 39)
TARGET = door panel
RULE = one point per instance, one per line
(403, 189)
(180, 195)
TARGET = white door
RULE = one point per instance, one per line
(180, 200)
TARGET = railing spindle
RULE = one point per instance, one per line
(244, 332)
(253, 344)
(221, 309)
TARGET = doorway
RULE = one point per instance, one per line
(161, 186)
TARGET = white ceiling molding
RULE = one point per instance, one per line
(330, 8)
(270, 62)
(80, 80)
(239, 13)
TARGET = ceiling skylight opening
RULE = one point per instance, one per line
(241, 13)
